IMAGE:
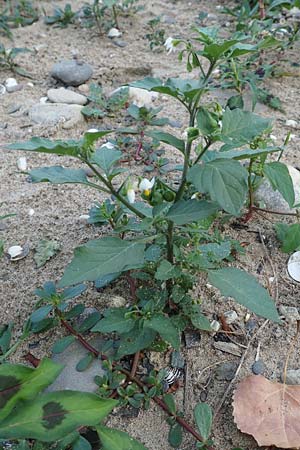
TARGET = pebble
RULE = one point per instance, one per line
(72, 73)
(43, 100)
(12, 85)
(63, 95)
(290, 313)
(141, 97)
(84, 88)
(291, 123)
(31, 212)
(273, 199)
(13, 108)
(22, 163)
(2, 89)
(251, 325)
(116, 301)
(84, 218)
(215, 325)
(294, 266)
(192, 338)
(114, 33)
(177, 360)
(230, 317)
(70, 378)
(54, 113)
(14, 251)
(226, 371)
(258, 367)
(292, 376)
(228, 347)
(119, 43)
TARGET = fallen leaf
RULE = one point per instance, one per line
(44, 251)
(269, 411)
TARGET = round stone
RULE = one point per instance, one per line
(72, 73)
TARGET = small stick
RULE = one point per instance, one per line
(135, 363)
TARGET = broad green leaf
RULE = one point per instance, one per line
(20, 383)
(89, 322)
(137, 339)
(92, 136)
(214, 51)
(112, 439)
(198, 319)
(63, 343)
(224, 180)
(186, 211)
(85, 362)
(241, 127)
(167, 138)
(170, 402)
(44, 251)
(105, 158)
(166, 271)
(163, 325)
(289, 235)
(207, 124)
(73, 291)
(81, 444)
(5, 337)
(245, 289)
(53, 415)
(40, 313)
(58, 175)
(101, 257)
(106, 280)
(114, 320)
(241, 154)
(280, 179)
(203, 418)
(241, 48)
(175, 435)
(42, 145)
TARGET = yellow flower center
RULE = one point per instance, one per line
(147, 192)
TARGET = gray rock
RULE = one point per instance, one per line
(72, 73)
(70, 378)
(292, 376)
(192, 338)
(258, 367)
(273, 199)
(13, 108)
(230, 316)
(119, 43)
(226, 371)
(228, 347)
(290, 313)
(52, 114)
(63, 95)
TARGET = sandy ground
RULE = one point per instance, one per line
(57, 210)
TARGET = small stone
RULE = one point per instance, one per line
(228, 347)
(84, 218)
(177, 360)
(22, 163)
(294, 266)
(11, 84)
(169, 20)
(226, 371)
(292, 376)
(72, 73)
(119, 43)
(2, 89)
(30, 84)
(43, 100)
(140, 97)
(84, 88)
(251, 325)
(114, 33)
(63, 95)
(290, 313)
(13, 108)
(215, 325)
(31, 212)
(230, 317)
(54, 113)
(258, 367)
(14, 251)
(192, 338)
(291, 123)
(116, 301)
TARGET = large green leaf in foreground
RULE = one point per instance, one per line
(58, 175)
(98, 258)
(244, 288)
(117, 440)
(52, 416)
(186, 211)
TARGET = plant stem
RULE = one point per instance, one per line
(115, 16)
(170, 252)
(280, 213)
(134, 379)
(250, 186)
(208, 144)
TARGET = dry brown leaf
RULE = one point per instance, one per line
(269, 411)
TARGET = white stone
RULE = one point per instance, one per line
(215, 325)
(63, 95)
(43, 100)
(114, 33)
(230, 317)
(30, 84)
(291, 123)
(15, 250)
(11, 84)
(2, 89)
(289, 312)
(31, 212)
(54, 113)
(22, 163)
(84, 217)
(294, 266)
(139, 97)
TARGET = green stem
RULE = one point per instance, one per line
(113, 191)
(250, 186)
(208, 144)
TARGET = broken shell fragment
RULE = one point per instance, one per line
(294, 266)
(16, 252)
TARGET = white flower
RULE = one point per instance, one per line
(131, 195)
(169, 44)
(146, 186)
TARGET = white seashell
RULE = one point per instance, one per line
(22, 163)
(114, 33)
(14, 251)
(294, 266)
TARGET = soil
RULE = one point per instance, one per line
(57, 210)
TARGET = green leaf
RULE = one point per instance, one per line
(85, 362)
(175, 435)
(89, 322)
(58, 175)
(53, 415)
(114, 320)
(167, 138)
(101, 257)
(5, 337)
(63, 343)
(198, 319)
(207, 124)
(40, 313)
(44, 251)
(20, 383)
(214, 51)
(137, 339)
(42, 145)
(224, 180)
(244, 288)
(241, 127)
(289, 235)
(170, 402)
(203, 417)
(81, 444)
(280, 179)
(166, 271)
(241, 154)
(105, 158)
(186, 211)
(163, 325)
(90, 137)
(112, 439)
